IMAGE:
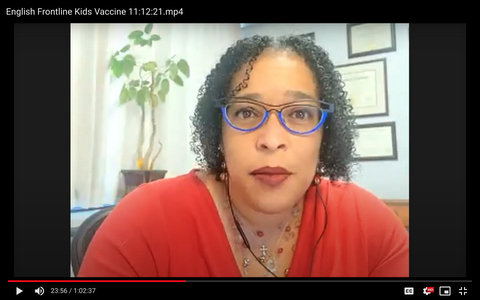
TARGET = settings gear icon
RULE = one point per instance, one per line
(428, 290)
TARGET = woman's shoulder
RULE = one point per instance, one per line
(170, 194)
(350, 197)
(350, 201)
(178, 185)
(347, 191)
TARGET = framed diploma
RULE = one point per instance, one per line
(376, 142)
(366, 87)
(370, 38)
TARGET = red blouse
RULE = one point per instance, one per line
(171, 228)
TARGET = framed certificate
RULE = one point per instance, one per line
(366, 87)
(376, 142)
(370, 38)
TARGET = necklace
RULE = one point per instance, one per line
(264, 249)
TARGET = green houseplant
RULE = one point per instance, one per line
(145, 83)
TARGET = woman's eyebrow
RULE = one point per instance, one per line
(298, 95)
(254, 96)
(289, 94)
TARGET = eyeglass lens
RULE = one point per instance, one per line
(301, 117)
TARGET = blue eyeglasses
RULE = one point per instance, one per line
(299, 117)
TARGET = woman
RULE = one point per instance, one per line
(274, 134)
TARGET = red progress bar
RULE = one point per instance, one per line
(98, 280)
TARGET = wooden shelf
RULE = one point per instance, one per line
(401, 209)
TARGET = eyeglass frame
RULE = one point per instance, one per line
(222, 104)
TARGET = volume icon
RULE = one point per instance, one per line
(39, 291)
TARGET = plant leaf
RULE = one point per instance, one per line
(117, 67)
(162, 96)
(142, 96)
(183, 67)
(127, 68)
(132, 92)
(135, 34)
(129, 57)
(149, 66)
(155, 37)
(173, 70)
(178, 80)
(135, 83)
(157, 79)
(143, 42)
(124, 96)
(125, 49)
(128, 64)
(148, 28)
(165, 87)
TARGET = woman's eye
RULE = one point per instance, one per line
(244, 113)
(300, 114)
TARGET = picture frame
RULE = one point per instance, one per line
(377, 141)
(366, 87)
(370, 38)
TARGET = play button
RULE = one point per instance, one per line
(19, 291)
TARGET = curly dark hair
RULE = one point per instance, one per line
(337, 149)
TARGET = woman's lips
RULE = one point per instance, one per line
(271, 179)
(272, 176)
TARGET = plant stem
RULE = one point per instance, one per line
(140, 162)
(156, 155)
(154, 125)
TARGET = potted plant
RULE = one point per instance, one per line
(145, 83)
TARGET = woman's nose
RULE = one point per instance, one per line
(272, 135)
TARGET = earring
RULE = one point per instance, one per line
(223, 174)
(317, 178)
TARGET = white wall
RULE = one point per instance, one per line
(104, 134)
(386, 179)
(202, 45)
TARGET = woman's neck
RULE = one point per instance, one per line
(252, 219)
(268, 224)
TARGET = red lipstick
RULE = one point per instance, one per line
(271, 176)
